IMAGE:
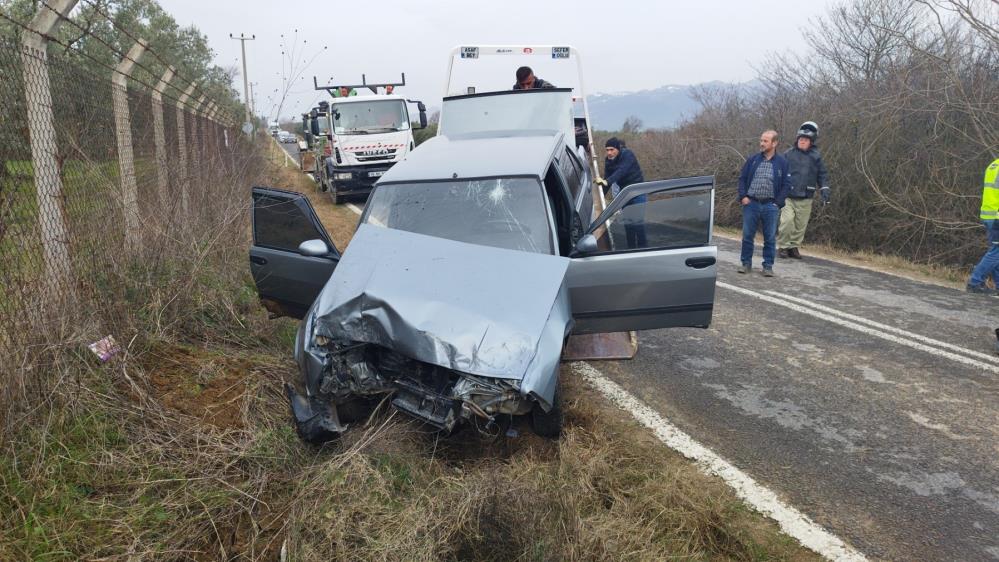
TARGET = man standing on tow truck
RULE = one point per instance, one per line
(526, 80)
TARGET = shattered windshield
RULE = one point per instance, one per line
(370, 117)
(501, 212)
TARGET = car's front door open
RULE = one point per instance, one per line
(288, 276)
(653, 265)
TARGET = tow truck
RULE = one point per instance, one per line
(357, 138)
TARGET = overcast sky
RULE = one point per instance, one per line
(625, 45)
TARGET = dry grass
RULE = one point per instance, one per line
(182, 449)
(895, 265)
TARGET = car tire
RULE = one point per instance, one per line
(548, 424)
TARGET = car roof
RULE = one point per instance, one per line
(516, 153)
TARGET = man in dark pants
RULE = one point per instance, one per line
(622, 169)
(762, 190)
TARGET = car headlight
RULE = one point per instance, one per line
(343, 176)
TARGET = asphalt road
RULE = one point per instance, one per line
(882, 426)
(291, 148)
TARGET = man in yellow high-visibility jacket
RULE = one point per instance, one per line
(989, 264)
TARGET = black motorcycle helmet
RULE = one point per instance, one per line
(808, 129)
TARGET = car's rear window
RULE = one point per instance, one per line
(503, 212)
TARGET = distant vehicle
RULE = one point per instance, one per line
(285, 136)
(357, 138)
(274, 128)
(474, 260)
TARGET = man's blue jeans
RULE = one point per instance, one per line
(753, 215)
(989, 264)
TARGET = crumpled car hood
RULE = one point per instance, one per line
(475, 309)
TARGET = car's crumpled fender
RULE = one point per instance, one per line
(475, 309)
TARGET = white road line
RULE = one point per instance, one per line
(791, 521)
(863, 329)
(887, 328)
(354, 208)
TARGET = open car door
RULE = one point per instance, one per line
(292, 257)
(647, 261)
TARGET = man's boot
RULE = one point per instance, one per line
(782, 253)
(794, 253)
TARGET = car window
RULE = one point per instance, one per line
(570, 172)
(280, 224)
(662, 220)
(501, 212)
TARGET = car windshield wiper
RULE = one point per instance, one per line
(356, 132)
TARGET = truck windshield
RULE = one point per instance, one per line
(370, 117)
(503, 212)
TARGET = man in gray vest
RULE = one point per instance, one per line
(808, 174)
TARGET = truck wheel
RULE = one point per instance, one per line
(548, 424)
(337, 198)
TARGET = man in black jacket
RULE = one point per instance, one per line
(622, 169)
(526, 80)
(807, 173)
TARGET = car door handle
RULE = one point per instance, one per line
(262, 261)
(700, 263)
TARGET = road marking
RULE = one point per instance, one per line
(354, 208)
(863, 329)
(887, 328)
(791, 521)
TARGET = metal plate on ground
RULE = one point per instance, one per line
(612, 345)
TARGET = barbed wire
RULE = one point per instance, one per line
(69, 48)
(149, 49)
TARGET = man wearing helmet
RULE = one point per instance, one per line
(808, 173)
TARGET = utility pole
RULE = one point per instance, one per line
(248, 124)
(253, 102)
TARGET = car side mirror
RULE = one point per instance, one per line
(314, 125)
(586, 245)
(314, 248)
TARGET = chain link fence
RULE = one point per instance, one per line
(109, 192)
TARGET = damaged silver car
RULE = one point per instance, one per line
(473, 262)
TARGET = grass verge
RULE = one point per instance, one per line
(894, 265)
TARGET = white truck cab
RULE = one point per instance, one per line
(357, 137)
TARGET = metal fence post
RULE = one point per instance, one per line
(196, 146)
(44, 157)
(185, 184)
(197, 133)
(160, 138)
(123, 132)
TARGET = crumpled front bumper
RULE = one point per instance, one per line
(315, 420)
